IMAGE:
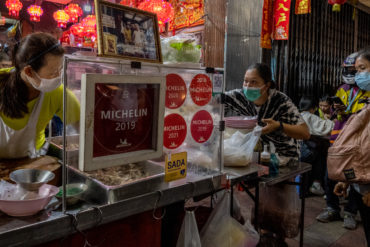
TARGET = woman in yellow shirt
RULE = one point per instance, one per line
(31, 94)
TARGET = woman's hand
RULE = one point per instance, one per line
(297, 131)
(340, 189)
(271, 125)
(366, 199)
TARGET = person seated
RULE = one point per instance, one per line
(325, 108)
(314, 150)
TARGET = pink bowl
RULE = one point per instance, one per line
(28, 207)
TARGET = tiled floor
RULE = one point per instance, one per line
(316, 234)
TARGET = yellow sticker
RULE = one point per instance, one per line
(175, 166)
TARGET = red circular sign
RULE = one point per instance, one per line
(175, 91)
(201, 126)
(174, 131)
(201, 89)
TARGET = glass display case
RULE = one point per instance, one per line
(192, 123)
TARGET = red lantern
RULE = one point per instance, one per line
(35, 12)
(77, 30)
(14, 7)
(89, 25)
(74, 11)
(162, 8)
(336, 4)
(61, 17)
(130, 3)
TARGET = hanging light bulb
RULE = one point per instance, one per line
(61, 17)
(74, 11)
(14, 7)
(35, 12)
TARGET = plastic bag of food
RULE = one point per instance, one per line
(253, 236)
(279, 210)
(238, 149)
(180, 48)
(189, 234)
(221, 230)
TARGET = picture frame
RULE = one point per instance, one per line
(127, 33)
(121, 119)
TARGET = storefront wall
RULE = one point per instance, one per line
(309, 63)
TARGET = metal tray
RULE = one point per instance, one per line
(56, 149)
(100, 193)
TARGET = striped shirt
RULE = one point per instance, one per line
(279, 107)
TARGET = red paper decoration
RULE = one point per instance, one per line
(35, 12)
(74, 11)
(89, 26)
(336, 4)
(14, 7)
(162, 8)
(130, 3)
(62, 18)
(77, 30)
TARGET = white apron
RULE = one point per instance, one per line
(20, 143)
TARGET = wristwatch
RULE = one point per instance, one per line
(281, 127)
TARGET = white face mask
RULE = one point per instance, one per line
(46, 85)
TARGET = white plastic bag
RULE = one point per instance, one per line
(253, 236)
(238, 149)
(189, 235)
(221, 230)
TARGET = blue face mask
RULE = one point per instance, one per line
(363, 80)
(252, 93)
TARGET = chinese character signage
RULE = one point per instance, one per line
(266, 24)
(281, 19)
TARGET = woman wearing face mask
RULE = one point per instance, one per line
(360, 192)
(30, 95)
(281, 119)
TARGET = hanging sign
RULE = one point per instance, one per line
(267, 16)
(302, 7)
(175, 166)
(174, 131)
(201, 89)
(281, 19)
(175, 91)
(123, 118)
(201, 126)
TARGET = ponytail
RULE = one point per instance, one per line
(14, 95)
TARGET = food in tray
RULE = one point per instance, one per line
(120, 175)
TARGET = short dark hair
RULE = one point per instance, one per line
(264, 72)
(325, 98)
(306, 103)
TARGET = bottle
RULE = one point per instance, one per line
(265, 156)
(274, 161)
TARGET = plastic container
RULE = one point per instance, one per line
(265, 156)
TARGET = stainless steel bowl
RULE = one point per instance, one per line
(74, 197)
(31, 179)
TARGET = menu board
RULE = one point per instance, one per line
(122, 119)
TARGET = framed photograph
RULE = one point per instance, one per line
(121, 119)
(127, 33)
